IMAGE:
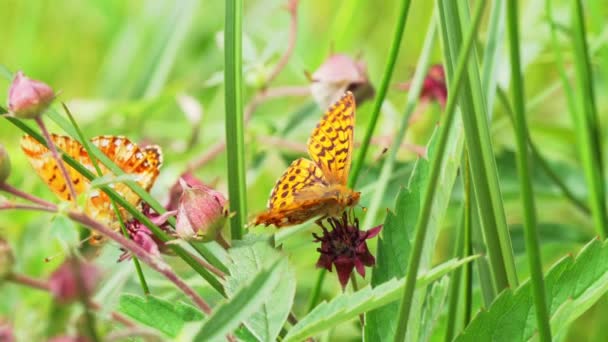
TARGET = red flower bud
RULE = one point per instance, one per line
(6, 332)
(64, 282)
(201, 213)
(7, 260)
(335, 76)
(27, 98)
(434, 87)
(5, 165)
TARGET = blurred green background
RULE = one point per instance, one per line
(121, 66)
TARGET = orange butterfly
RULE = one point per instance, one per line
(309, 189)
(143, 164)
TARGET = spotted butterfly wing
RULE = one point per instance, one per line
(142, 164)
(331, 142)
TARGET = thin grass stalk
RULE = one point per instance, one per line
(381, 94)
(179, 251)
(235, 145)
(541, 161)
(491, 54)
(412, 101)
(468, 245)
(435, 168)
(479, 146)
(587, 126)
(455, 282)
(525, 182)
(87, 147)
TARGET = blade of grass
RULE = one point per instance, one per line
(381, 95)
(491, 52)
(484, 172)
(587, 123)
(87, 147)
(525, 182)
(456, 282)
(179, 251)
(235, 146)
(436, 161)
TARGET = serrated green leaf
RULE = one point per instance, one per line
(572, 286)
(349, 305)
(162, 315)
(242, 305)
(249, 257)
(433, 306)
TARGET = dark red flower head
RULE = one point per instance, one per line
(64, 281)
(434, 87)
(345, 247)
(141, 235)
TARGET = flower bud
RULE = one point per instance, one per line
(5, 165)
(27, 98)
(6, 332)
(201, 213)
(338, 74)
(64, 282)
(7, 260)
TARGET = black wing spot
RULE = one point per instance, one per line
(292, 178)
(284, 194)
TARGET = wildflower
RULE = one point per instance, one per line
(176, 190)
(335, 76)
(5, 164)
(201, 212)
(434, 87)
(64, 282)
(345, 247)
(142, 236)
(7, 260)
(27, 98)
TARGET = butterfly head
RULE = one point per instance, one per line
(348, 198)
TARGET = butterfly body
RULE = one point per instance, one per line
(142, 164)
(317, 187)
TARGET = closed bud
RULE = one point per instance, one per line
(5, 165)
(201, 213)
(7, 259)
(338, 74)
(64, 283)
(27, 98)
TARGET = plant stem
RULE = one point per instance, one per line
(525, 182)
(381, 95)
(233, 77)
(315, 294)
(435, 168)
(89, 319)
(64, 172)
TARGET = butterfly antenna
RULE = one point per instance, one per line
(376, 160)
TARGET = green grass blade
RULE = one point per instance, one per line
(381, 95)
(587, 123)
(235, 145)
(436, 165)
(525, 182)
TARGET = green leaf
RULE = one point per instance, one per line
(433, 305)
(349, 305)
(64, 230)
(242, 305)
(167, 317)
(248, 258)
(572, 285)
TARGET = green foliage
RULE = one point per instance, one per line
(572, 285)
(250, 298)
(348, 305)
(247, 259)
(165, 316)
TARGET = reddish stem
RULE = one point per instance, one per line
(55, 154)
(11, 190)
